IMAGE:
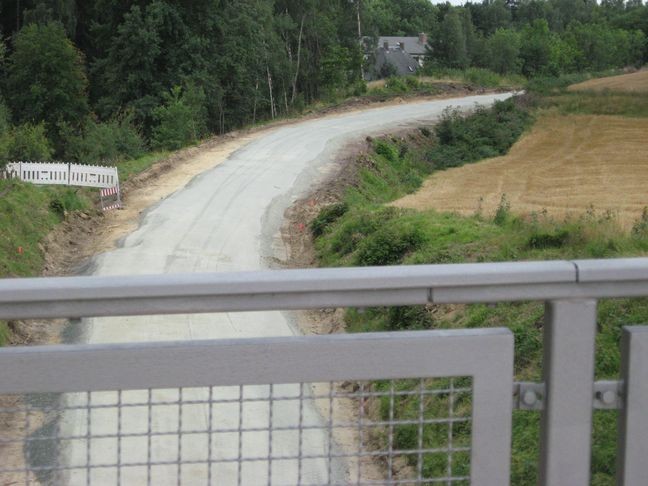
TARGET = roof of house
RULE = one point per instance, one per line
(412, 44)
(402, 61)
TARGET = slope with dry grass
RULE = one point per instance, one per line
(566, 164)
(633, 83)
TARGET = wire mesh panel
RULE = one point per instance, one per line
(388, 432)
(276, 411)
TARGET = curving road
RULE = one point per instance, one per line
(226, 219)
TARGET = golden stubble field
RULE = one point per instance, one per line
(634, 82)
(564, 165)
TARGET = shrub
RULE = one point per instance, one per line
(640, 227)
(28, 142)
(408, 317)
(114, 140)
(182, 120)
(482, 77)
(387, 150)
(502, 212)
(326, 216)
(396, 85)
(65, 201)
(541, 240)
(388, 245)
(488, 132)
(4, 118)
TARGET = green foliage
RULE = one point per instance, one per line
(46, 81)
(106, 142)
(5, 118)
(450, 45)
(181, 121)
(598, 47)
(128, 168)
(389, 244)
(326, 216)
(399, 17)
(486, 133)
(640, 227)
(503, 211)
(26, 142)
(541, 239)
(387, 70)
(503, 51)
(479, 77)
(4, 333)
(65, 201)
(600, 103)
(26, 216)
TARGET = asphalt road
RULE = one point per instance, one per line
(226, 219)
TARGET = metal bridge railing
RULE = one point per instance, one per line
(397, 408)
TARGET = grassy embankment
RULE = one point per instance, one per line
(363, 230)
(29, 212)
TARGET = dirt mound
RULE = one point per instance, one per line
(634, 82)
(566, 164)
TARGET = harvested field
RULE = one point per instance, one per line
(565, 165)
(634, 82)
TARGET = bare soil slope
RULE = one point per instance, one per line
(564, 165)
(633, 82)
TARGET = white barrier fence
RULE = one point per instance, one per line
(66, 174)
(63, 174)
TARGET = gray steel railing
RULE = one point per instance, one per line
(566, 397)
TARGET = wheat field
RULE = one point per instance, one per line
(564, 165)
(634, 82)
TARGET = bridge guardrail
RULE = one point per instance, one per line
(568, 392)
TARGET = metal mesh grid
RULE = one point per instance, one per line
(387, 432)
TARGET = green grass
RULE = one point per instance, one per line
(130, 168)
(478, 77)
(367, 232)
(552, 84)
(599, 103)
(4, 333)
(27, 213)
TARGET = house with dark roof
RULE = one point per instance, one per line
(399, 56)
(416, 47)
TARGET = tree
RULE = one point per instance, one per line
(181, 120)
(535, 51)
(28, 142)
(46, 79)
(449, 45)
(503, 51)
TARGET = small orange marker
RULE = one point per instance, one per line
(20, 250)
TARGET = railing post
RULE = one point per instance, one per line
(632, 468)
(568, 369)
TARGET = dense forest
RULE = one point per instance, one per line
(108, 79)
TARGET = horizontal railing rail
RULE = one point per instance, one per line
(319, 288)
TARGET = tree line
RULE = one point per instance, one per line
(103, 80)
(541, 38)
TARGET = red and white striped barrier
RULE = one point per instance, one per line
(111, 191)
(114, 196)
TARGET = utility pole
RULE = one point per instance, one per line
(360, 39)
(17, 15)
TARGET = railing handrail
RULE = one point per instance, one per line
(315, 288)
